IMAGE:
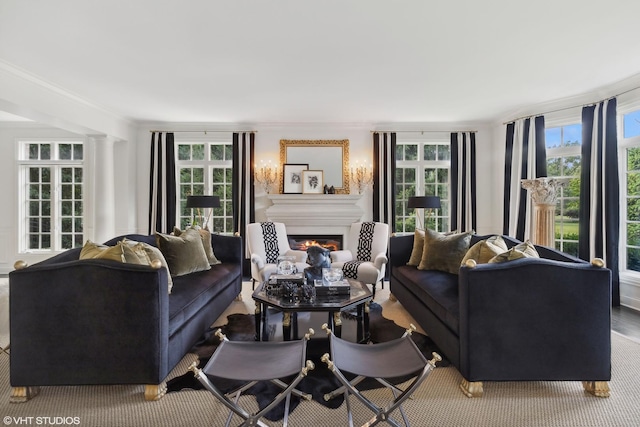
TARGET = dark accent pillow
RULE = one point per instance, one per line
(444, 252)
(184, 253)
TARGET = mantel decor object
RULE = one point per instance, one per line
(362, 176)
(266, 175)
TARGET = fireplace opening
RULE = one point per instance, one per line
(301, 242)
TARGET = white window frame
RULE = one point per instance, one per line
(208, 165)
(419, 165)
(563, 152)
(56, 164)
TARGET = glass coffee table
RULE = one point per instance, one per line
(359, 298)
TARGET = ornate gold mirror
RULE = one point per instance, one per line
(329, 156)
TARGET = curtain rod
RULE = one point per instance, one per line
(205, 131)
(423, 131)
(571, 107)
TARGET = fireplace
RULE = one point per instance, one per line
(333, 242)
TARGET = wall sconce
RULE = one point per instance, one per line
(266, 175)
(423, 202)
(361, 176)
(204, 202)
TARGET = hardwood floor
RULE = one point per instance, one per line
(626, 321)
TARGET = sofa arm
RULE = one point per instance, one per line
(515, 314)
(89, 322)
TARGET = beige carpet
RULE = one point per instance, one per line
(437, 403)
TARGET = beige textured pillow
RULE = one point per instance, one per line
(444, 252)
(486, 249)
(418, 246)
(152, 253)
(521, 250)
(205, 235)
(118, 252)
(184, 253)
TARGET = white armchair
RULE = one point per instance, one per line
(266, 242)
(365, 256)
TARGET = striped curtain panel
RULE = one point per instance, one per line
(463, 181)
(525, 158)
(599, 189)
(242, 187)
(163, 187)
(384, 178)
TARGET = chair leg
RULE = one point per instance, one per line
(253, 284)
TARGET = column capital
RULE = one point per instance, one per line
(544, 191)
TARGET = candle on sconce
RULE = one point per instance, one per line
(266, 175)
(361, 175)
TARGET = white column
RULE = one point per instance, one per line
(104, 188)
(544, 194)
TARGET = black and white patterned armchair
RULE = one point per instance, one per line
(365, 255)
(266, 242)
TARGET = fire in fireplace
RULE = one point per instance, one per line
(303, 241)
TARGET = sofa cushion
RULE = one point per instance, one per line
(486, 249)
(438, 290)
(418, 247)
(119, 252)
(444, 252)
(522, 250)
(194, 291)
(205, 236)
(184, 253)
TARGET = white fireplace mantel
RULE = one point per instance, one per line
(315, 213)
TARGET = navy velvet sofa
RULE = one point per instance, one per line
(81, 322)
(546, 318)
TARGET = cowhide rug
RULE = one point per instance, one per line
(241, 327)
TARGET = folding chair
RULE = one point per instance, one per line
(251, 362)
(383, 361)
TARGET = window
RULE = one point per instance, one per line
(51, 195)
(422, 169)
(205, 167)
(630, 257)
(564, 161)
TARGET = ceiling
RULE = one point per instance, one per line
(321, 61)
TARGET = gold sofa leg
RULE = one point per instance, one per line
(597, 388)
(392, 297)
(155, 391)
(23, 394)
(471, 389)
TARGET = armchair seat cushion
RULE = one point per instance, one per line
(367, 271)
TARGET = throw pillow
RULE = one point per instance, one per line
(486, 249)
(444, 252)
(521, 250)
(119, 252)
(152, 253)
(205, 235)
(418, 246)
(184, 253)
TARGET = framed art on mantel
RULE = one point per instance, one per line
(292, 177)
(312, 182)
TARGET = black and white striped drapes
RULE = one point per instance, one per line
(162, 194)
(599, 189)
(463, 181)
(384, 176)
(525, 158)
(242, 187)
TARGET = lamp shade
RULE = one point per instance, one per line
(203, 201)
(428, 202)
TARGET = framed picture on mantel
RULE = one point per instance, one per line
(312, 182)
(292, 177)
